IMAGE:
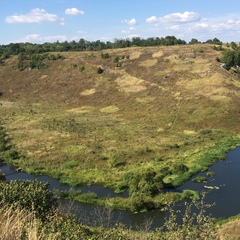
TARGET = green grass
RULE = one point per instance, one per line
(155, 111)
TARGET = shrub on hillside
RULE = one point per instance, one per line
(31, 195)
(100, 70)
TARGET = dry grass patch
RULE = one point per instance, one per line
(230, 230)
(43, 76)
(145, 99)
(158, 54)
(149, 63)
(88, 92)
(189, 132)
(128, 83)
(135, 55)
(6, 104)
(109, 109)
(173, 58)
(84, 109)
(201, 65)
(17, 223)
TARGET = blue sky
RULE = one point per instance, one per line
(68, 20)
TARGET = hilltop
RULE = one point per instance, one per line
(104, 117)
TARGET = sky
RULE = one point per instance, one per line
(107, 20)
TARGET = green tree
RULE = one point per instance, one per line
(145, 181)
(194, 41)
(228, 59)
(237, 58)
(233, 45)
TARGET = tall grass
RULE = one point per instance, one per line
(20, 224)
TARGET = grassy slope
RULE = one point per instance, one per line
(156, 110)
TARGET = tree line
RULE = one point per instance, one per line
(84, 45)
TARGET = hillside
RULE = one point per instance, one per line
(160, 108)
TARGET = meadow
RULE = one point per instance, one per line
(112, 117)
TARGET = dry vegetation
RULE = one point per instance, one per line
(159, 98)
(163, 106)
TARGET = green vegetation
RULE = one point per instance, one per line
(149, 125)
(166, 114)
(33, 196)
(18, 221)
(34, 61)
(200, 179)
(210, 174)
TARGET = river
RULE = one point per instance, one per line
(225, 200)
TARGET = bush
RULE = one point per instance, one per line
(2, 140)
(200, 179)
(179, 169)
(105, 55)
(210, 174)
(116, 59)
(100, 70)
(190, 194)
(193, 225)
(146, 181)
(31, 195)
(81, 68)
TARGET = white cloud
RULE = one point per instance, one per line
(133, 21)
(180, 17)
(37, 38)
(152, 19)
(73, 11)
(132, 28)
(36, 15)
(175, 18)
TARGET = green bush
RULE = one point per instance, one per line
(199, 179)
(190, 194)
(105, 55)
(210, 174)
(179, 169)
(116, 59)
(81, 68)
(145, 181)
(31, 195)
(100, 70)
(2, 140)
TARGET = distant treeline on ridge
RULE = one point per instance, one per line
(84, 45)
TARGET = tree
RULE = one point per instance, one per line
(228, 58)
(233, 45)
(146, 182)
(237, 58)
(194, 41)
